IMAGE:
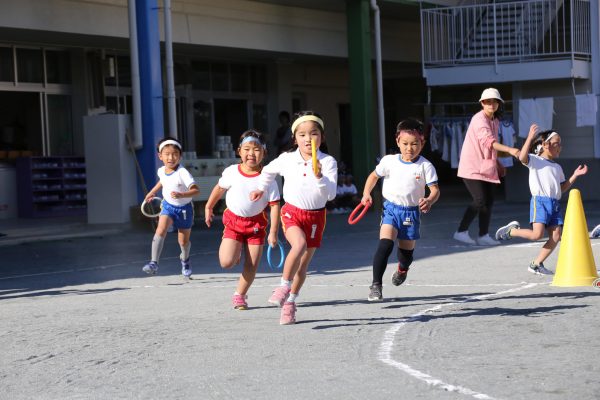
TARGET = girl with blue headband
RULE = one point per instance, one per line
(245, 221)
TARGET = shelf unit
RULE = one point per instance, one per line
(51, 186)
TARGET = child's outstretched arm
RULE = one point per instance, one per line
(580, 170)
(267, 175)
(152, 193)
(524, 154)
(425, 203)
(275, 210)
(369, 185)
(215, 196)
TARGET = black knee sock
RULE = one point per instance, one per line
(380, 259)
(405, 258)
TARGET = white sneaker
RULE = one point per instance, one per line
(486, 240)
(463, 237)
(596, 232)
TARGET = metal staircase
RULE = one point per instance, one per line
(505, 32)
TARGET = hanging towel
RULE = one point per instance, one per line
(433, 138)
(587, 106)
(506, 136)
(538, 111)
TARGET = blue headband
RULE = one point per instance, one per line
(252, 139)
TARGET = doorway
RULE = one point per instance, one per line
(231, 118)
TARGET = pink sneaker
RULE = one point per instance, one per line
(239, 302)
(279, 296)
(288, 314)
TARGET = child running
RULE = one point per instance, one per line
(245, 222)
(178, 188)
(547, 184)
(405, 176)
(303, 216)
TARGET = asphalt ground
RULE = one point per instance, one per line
(80, 320)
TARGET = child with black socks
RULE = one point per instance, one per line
(405, 176)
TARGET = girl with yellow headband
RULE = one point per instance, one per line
(306, 190)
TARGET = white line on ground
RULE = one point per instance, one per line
(387, 345)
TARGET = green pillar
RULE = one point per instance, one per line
(361, 91)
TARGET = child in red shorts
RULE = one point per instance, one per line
(306, 192)
(245, 221)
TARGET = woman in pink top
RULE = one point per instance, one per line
(478, 166)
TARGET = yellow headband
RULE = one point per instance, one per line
(305, 118)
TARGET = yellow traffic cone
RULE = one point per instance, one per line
(575, 266)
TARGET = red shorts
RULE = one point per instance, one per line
(312, 222)
(250, 230)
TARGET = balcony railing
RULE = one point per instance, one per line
(506, 32)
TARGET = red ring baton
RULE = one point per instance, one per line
(352, 218)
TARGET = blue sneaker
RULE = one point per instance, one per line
(539, 269)
(186, 268)
(151, 268)
(596, 232)
(504, 232)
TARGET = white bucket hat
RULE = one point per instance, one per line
(491, 93)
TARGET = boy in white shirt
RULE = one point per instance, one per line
(405, 177)
(178, 187)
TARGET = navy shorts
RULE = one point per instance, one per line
(407, 220)
(545, 210)
(182, 216)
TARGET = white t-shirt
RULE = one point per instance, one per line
(300, 186)
(239, 185)
(179, 180)
(545, 177)
(404, 182)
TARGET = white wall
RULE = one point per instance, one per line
(224, 23)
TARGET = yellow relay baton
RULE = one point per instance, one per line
(313, 145)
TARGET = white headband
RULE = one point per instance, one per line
(252, 139)
(305, 118)
(550, 136)
(540, 146)
(167, 142)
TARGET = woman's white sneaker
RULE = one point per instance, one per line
(486, 240)
(463, 237)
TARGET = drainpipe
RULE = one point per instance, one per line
(135, 77)
(380, 110)
(169, 65)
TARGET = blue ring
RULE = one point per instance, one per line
(281, 254)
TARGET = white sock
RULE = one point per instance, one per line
(292, 297)
(185, 251)
(286, 283)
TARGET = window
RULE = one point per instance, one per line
(239, 78)
(58, 67)
(30, 65)
(258, 79)
(220, 77)
(200, 75)
(7, 71)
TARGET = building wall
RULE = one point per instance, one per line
(578, 142)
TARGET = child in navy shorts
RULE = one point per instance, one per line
(178, 187)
